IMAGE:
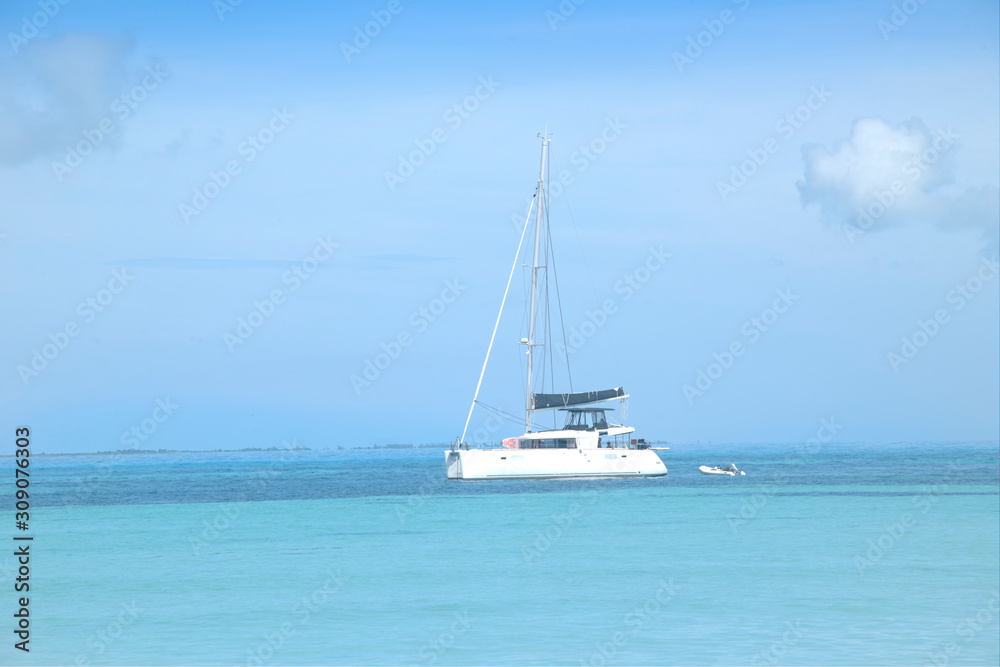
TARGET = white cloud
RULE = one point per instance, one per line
(54, 90)
(883, 176)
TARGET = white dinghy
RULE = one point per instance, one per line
(730, 470)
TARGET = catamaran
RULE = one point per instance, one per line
(590, 443)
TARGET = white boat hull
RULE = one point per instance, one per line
(549, 463)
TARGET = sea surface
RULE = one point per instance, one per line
(865, 554)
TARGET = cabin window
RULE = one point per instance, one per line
(586, 419)
(549, 443)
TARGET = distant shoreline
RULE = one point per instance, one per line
(446, 445)
(229, 451)
(169, 451)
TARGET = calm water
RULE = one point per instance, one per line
(856, 554)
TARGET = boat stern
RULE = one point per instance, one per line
(453, 464)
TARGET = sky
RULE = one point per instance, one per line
(218, 216)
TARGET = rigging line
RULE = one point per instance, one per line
(520, 368)
(562, 324)
(548, 329)
(522, 331)
(495, 326)
(586, 265)
(500, 413)
(508, 416)
(548, 343)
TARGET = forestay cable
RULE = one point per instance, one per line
(479, 384)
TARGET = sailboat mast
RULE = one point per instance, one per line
(539, 217)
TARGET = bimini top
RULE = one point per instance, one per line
(549, 401)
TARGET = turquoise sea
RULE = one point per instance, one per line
(883, 554)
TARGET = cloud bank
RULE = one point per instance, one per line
(54, 90)
(885, 176)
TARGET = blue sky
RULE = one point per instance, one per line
(197, 87)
